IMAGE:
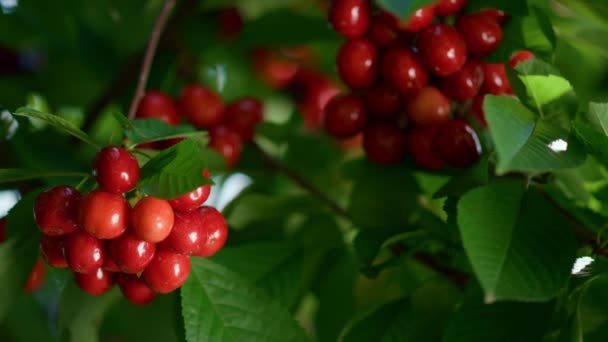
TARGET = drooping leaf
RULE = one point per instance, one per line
(149, 130)
(403, 8)
(15, 175)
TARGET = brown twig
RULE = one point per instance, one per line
(459, 278)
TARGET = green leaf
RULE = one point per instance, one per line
(28, 322)
(590, 303)
(474, 176)
(522, 33)
(403, 8)
(59, 123)
(513, 7)
(218, 305)
(15, 175)
(520, 247)
(598, 116)
(527, 143)
(149, 130)
(595, 143)
(174, 171)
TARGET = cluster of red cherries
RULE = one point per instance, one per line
(407, 77)
(145, 249)
(230, 125)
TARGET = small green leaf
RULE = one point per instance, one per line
(403, 8)
(474, 176)
(15, 175)
(149, 130)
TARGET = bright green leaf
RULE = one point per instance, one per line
(403, 8)
(149, 130)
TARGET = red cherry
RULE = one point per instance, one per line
(465, 83)
(104, 215)
(314, 91)
(2, 229)
(428, 107)
(55, 210)
(135, 290)
(152, 219)
(382, 102)
(202, 107)
(95, 283)
(36, 278)
(495, 79)
(420, 19)
(116, 170)
(242, 115)
(187, 234)
(231, 22)
(420, 145)
(520, 56)
(401, 69)
(457, 143)
(273, 69)
(481, 34)
(52, 251)
(193, 199)
(130, 253)
(384, 143)
(478, 111)
(497, 15)
(158, 105)
(358, 63)
(448, 7)
(442, 49)
(350, 18)
(167, 271)
(345, 116)
(215, 231)
(227, 143)
(382, 33)
(84, 253)
(109, 264)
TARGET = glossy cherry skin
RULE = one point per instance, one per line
(56, 209)
(152, 219)
(481, 34)
(272, 68)
(382, 33)
(446, 8)
(357, 63)
(167, 271)
(497, 15)
(420, 19)
(520, 56)
(2, 229)
(402, 70)
(384, 143)
(230, 22)
(84, 253)
(202, 107)
(420, 145)
(95, 283)
(215, 231)
(130, 253)
(382, 102)
(228, 143)
(345, 116)
(495, 79)
(465, 83)
(158, 105)
(52, 251)
(442, 49)
(428, 107)
(187, 235)
(350, 18)
(457, 143)
(313, 91)
(194, 199)
(116, 170)
(477, 108)
(104, 215)
(36, 278)
(242, 115)
(135, 289)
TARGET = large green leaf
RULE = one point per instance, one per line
(140, 131)
(523, 33)
(15, 175)
(520, 247)
(593, 132)
(472, 177)
(403, 8)
(218, 305)
(527, 143)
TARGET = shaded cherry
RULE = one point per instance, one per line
(152, 219)
(357, 63)
(477, 107)
(135, 289)
(130, 253)
(158, 105)
(193, 199)
(382, 101)
(215, 231)
(230, 22)
(441, 49)
(36, 278)
(84, 253)
(228, 143)
(495, 79)
(52, 251)
(203, 107)
(95, 283)
(104, 215)
(2, 229)
(465, 83)
(187, 234)
(482, 34)
(428, 107)
(421, 18)
(420, 145)
(345, 116)
(384, 143)
(116, 170)
(402, 70)
(313, 91)
(272, 68)
(109, 264)
(350, 18)
(446, 8)
(501, 17)
(56, 210)
(242, 115)
(167, 271)
(382, 33)
(520, 56)
(457, 143)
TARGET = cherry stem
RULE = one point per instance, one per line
(157, 30)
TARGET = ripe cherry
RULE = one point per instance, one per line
(313, 91)
(358, 63)
(384, 143)
(158, 105)
(482, 34)
(108, 263)
(193, 199)
(2, 229)
(116, 169)
(272, 68)
(350, 18)
(152, 219)
(420, 145)
(135, 289)
(497, 15)
(95, 283)
(448, 7)
(228, 143)
(187, 235)
(104, 215)
(130, 253)
(420, 19)
(242, 115)
(55, 210)
(457, 143)
(84, 253)
(520, 56)
(202, 107)
(36, 278)
(382, 102)
(345, 116)
(167, 271)
(495, 79)
(382, 33)
(52, 251)
(401, 69)
(465, 83)
(428, 107)
(215, 231)
(442, 49)
(477, 108)
(230, 22)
